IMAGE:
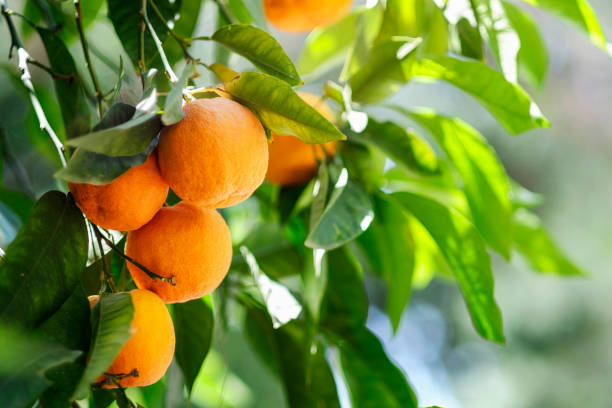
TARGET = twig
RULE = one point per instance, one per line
(160, 49)
(223, 9)
(67, 78)
(79, 23)
(180, 40)
(152, 275)
(26, 78)
(108, 277)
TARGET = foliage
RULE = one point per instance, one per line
(391, 203)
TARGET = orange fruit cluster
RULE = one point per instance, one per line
(215, 157)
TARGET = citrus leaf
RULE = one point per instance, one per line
(389, 247)
(389, 68)
(280, 109)
(127, 139)
(113, 313)
(405, 148)
(260, 48)
(347, 215)
(486, 182)
(173, 107)
(23, 363)
(532, 56)
(224, 73)
(70, 93)
(508, 102)
(579, 13)
(193, 325)
(43, 264)
(326, 47)
(467, 256)
(535, 244)
(470, 39)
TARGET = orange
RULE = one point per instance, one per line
(304, 15)
(128, 202)
(216, 155)
(145, 357)
(293, 162)
(188, 242)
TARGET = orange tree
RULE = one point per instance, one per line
(350, 195)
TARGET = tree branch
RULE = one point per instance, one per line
(26, 78)
(79, 23)
(160, 49)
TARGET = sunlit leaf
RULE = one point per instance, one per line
(538, 248)
(389, 68)
(43, 264)
(486, 182)
(348, 214)
(193, 325)
(224, 73)
(280, 109)
(260, 48)
(579, 13)
(405, 148)
(509, 103)
(467, 256)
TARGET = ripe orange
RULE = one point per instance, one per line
(293, 162)
(216, 155)
(186, 241)
(145, 357)
(304, 15)
(128, 202)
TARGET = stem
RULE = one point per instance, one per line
(474, 7)
(44, 8)
(160, 49)
(105, 267)
(79, 23)
(180, 40)
(26, 78)
(152, 275)
(226, 13)
(68, 78)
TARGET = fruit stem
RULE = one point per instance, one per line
(107, 277)
(152, 275)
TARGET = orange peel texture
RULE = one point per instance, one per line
(188, 242)
(304, 15)
(216, 155)
(150, 349)
(292, 162)
(126, 203)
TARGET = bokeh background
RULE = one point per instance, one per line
(559, 330)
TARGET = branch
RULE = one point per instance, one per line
(79, 23)
(226, 13)
(160, 49)
(26, 78)
(180, 40)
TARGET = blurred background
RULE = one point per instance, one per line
(559, 330)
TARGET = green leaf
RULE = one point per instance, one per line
(193, 325)
(535, 244)
(300, 366)
(127, 139)
(466, 254)
(24, 361)
(260, 48)
(74, 313)
(43, 264)
(173, 107)
(389, 248)
(348, 214)
(405, 148)
(470, 39)
(94, 168)
(326, 47)
(319, 195)
(486, 182)
(509, 103)
(126, 19)
(579, 13)
(17, 202)
(70, 93)
(113, 313)
(224, 73)
(389, 68)
(532, 56)
(372, 378)
(415, 18)
(280, 109)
